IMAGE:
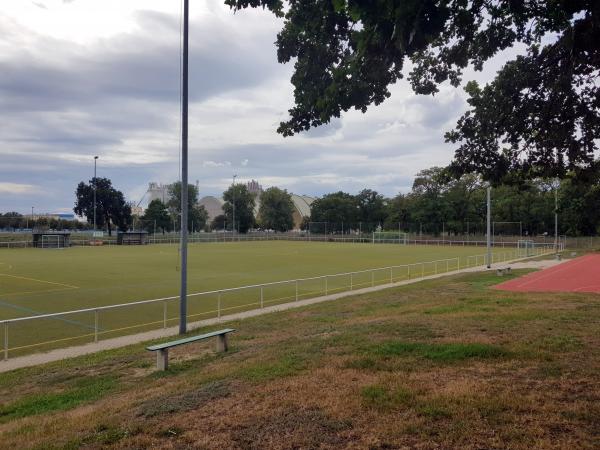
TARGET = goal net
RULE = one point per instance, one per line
(390, 237)
(529, 248)
(52, 241)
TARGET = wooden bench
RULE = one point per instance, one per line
(162, 357)
(501, 271)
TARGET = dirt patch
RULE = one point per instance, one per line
(308, 428)
(185, 401)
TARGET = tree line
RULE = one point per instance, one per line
(439, 203)
(13, 220)
(275, 211)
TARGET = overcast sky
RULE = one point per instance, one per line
(80, 78)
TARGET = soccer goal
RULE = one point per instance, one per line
(52, 241)
(525, 248)
(390, 237)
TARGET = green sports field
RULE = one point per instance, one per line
(35, 281)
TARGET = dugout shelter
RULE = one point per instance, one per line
(51, 239)
(132, 237)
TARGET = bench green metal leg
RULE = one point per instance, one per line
(162, 359)
(222, 344)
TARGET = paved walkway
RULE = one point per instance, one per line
(70, 352)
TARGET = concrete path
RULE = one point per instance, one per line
(70, 352)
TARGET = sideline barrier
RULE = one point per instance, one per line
(56, 330)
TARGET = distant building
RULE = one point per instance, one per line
(158, 191)
(214, 207)
(254, 188)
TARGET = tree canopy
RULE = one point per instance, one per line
(111, 208)
(540, 116)
(439, 203)
(244, 202)
(197, 214)
(276, 210)
(156, 217)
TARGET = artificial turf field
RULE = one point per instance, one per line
(34, 281)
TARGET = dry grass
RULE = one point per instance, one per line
(442, 364)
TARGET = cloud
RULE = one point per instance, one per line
(70, 90)
(16, 188)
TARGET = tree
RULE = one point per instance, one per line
(276, 210)
(111, 208)
(197, 214)
(244, 202)
(156, 216)
(371, 209)
(339, 210)
(541, 115)
(579, 214)
(398, 213)
(430, 209)
(12, 219)
(305, 224)
(218, 223)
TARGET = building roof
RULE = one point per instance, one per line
(214, 205)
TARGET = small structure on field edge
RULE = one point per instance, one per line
(132, 237)
(51, 239)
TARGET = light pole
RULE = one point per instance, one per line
(489, 227)
(233, 203)
(184, 171)
(95, 159)
(556, 184)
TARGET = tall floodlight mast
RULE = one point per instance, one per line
(556, 186)
(184, 172)
(489, 227)
(95, 183)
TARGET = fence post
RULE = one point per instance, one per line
(391, 274)
(219, 304)
(165, 314)
(351, 281)
(408, 272)
(5, 341)
(261, 297)
(296, 290)
(326, 285)
(95, 325)
(422, 270)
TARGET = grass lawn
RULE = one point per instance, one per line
(446, 363)
(34, 281)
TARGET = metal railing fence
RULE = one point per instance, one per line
(54, 330)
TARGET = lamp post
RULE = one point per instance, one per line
(95, 159)
(556, 185)
(233, 203)
(184, 171)
(489, 230)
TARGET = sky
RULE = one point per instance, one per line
(80, 78)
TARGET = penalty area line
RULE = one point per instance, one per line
(39, 281)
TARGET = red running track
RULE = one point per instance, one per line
(578, 275)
